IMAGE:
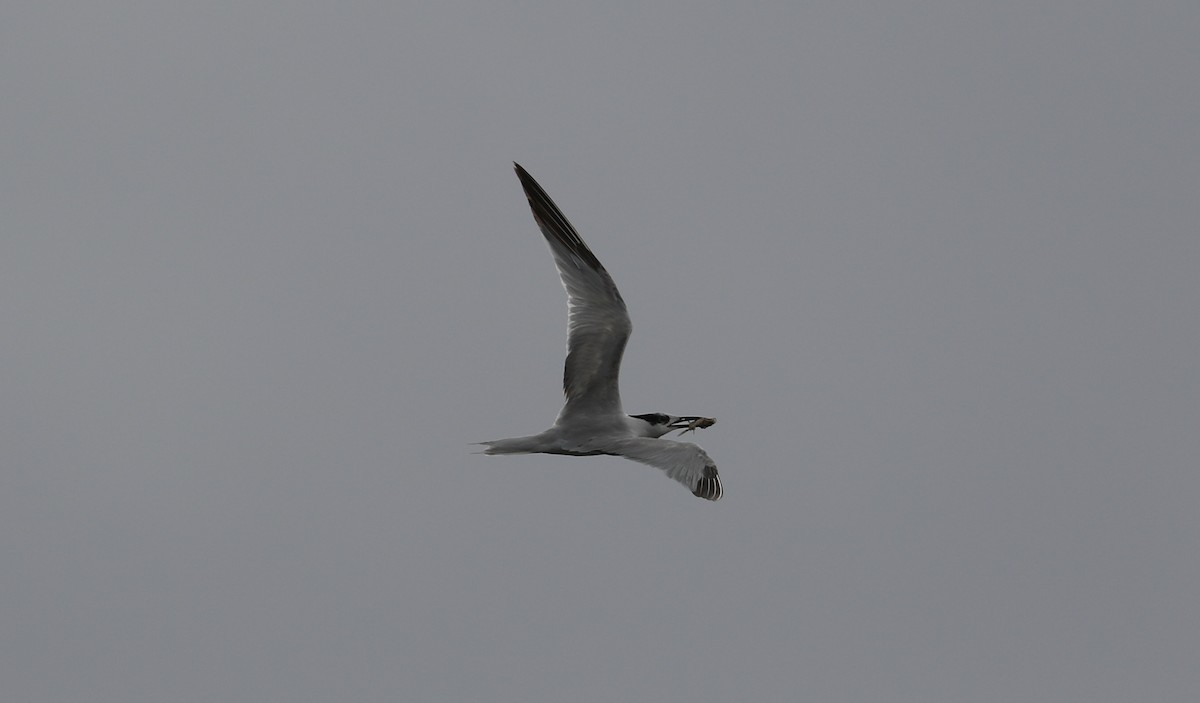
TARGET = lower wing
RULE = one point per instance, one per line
(682, 461)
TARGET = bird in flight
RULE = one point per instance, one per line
(592, 421)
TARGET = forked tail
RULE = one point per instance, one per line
(513, 445)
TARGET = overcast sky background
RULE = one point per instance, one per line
(265, 272)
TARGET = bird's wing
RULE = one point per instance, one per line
(598, 325)
(683, 461)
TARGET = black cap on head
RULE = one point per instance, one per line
(654, 418)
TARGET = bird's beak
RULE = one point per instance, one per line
(692, 423)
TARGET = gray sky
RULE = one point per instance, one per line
(266, 272)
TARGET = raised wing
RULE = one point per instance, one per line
(598, 325)
(683, 461)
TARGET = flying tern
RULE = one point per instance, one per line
(592, 421)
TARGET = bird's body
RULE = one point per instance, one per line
(592, 420)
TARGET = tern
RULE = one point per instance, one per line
(592, 421)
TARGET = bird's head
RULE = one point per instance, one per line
(658, 424)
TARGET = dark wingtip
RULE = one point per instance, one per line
(533, 191)
(523, 174)
(552, 221)
(709, 486)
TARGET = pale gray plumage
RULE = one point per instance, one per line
(598, 324)
(683, 461)
(592, 420)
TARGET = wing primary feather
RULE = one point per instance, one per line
(709, 486)
(552, 220)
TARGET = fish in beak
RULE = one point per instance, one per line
(691, 423)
